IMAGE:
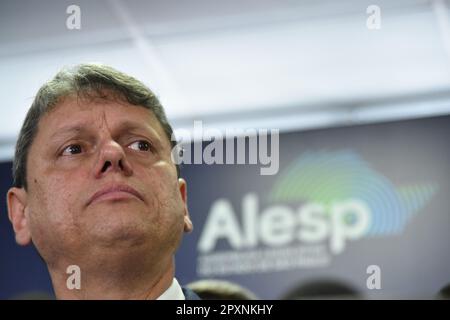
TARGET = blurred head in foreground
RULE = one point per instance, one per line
(323, 289)
(210, 289)
(444, 293)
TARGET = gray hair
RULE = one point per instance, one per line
(88, 80)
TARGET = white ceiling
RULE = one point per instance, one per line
(252, 61)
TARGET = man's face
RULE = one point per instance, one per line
(100, 177)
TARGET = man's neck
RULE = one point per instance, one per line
(116, 282)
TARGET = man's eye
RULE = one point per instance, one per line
(140, 145)
(72, 149)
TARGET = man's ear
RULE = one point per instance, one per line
(188, 226)
(17, 205)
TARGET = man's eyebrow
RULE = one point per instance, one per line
(132, 126)
(68, 130)
(137, 126)
(123, 127)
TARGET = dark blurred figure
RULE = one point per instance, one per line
(323, 289)
(34, 295)
(211, 289)
(444, 293)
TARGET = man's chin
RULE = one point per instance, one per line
(116, 202)
(117, 238)
(107, 210)
(119, 229)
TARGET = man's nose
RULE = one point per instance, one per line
(112, 158)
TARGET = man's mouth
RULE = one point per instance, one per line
(115, 193)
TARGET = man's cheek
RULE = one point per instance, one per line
(41, 234)
(160, 183)
(52, 206)
(165, 169)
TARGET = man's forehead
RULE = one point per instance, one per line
(77, 115)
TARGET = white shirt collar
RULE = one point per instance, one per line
(174, 292)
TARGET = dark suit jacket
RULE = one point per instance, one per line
(189, 294)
